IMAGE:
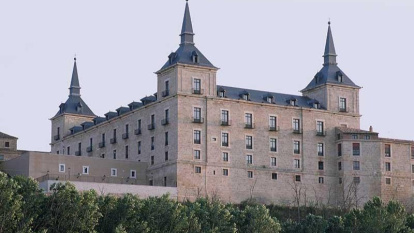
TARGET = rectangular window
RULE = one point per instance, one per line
(225, 156)
(225, 139)
(152, 143)
(114, 172)
(197, 114)
(197, 85)
(339, 166)
(387, 167)
(167, 85)
(412, 152)
(68, 150)
(354, 136)
(273, 161)
(272, 123)
(250, 174)
(296, 125)
(166, 156)
(320, 149)
(412, 168)
(357, 180)
(165, 181)
(340, 180)
(139, 126)
(249, 159)
(249, 142)
(197, 137)
(102, 156)
(197, 154)
(320, 165)
(6, 144)
(342, 104)
(85, 170)
(274, 176)
(126, 152)
(273, 144)
(339, 149)
(62, 168)
(114, 154)
(367, 137)
(197, 169)
(166, 138)
(321, 180)
(356, 149)
(152, 160)
(387, 150)
(296, 147)
(297, 178)
(248, 120)
(166, 116)
(225, 172)
(133, 174)
(224, 117)
(139, 147)
(114, 134)
(388, 180)
(356, 165)
(153, 120)
(320, 128)
(296, 163)
(127, 129)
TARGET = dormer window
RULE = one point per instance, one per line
(339, 76)
(316, 105)
(79, 107)
(221, 94)
(269, 99)
(293, 102)
(194, 57)
(171, 58)
(245, 96)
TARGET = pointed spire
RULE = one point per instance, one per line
(330, 54)
(187, 34)
(74, 89)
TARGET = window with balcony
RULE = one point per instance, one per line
(320, 165)
(225, 121)
(320, 129)
(342, 104)
(151, 126)
(356, 166)
(102, 143)
(138, 131)
(197, 86)
(197, 169)
(339, 149)
(249, 159)
(250, 174)
(387, 150)
(113, 139)
(90, 147)
(79, 152)
(197, 116)
(296, 147)
(273, 123)
(166, 91)
(387, 166)
(273, 161)
(197, 137)
(225, 156)
(273, 145)
(197, 154)
(166, 119)
(126, 134)
(321, 149)
(248, 121)
(225, 139)
(296, 126)
(296, 163)
(225, 172)
(249, 142)
(356, 149)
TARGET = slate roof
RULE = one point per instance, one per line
(330, 70)
(6, 136)
(187, 49)
(74, 104)
(260, 97)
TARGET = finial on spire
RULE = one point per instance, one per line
(330, 54)
(74, 83)
(329, 22)
(74, 57)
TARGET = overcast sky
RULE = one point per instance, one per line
(258, 44)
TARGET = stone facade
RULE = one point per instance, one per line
(181, 135)
(8, 147)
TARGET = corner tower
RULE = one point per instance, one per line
(187, 70)
(331, 86)
(71, 113)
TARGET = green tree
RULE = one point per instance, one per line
(335, 225)
(67, 210)
(11, 205)
(313, 224)
(256, 219)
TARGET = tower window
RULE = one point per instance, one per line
(195, 57)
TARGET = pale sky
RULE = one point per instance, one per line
(259, 44)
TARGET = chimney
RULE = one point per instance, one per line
(371, 129)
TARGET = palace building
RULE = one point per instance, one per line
(235, 143)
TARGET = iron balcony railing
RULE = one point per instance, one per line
(249, 125)
(151, 126)
(321, 133)
(274, 128)
(89, 149)
(165, 121)
(165, 93)
(101, 144)
(225, 122)
(137, 131)
(78, 153)
(197, 91)
(198, 120)
(125, 136)
(297, 131)
(56, 137)
(113, 140)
